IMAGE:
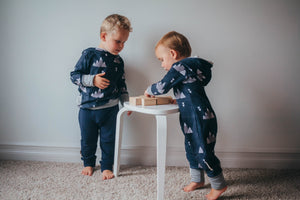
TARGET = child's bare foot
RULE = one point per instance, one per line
(214, 194)
(88, 171)
(107, 174)
(193, 186)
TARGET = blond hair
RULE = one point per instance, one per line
(177, 42)
(115, 22)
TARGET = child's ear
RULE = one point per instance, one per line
(103, 36)
(174, 54)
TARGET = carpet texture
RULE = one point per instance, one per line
(30, 180)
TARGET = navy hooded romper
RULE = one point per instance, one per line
(197, 117)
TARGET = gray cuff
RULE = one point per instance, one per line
(88, 80)
(197, 175)
(217, 182)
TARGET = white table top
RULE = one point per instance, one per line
(154, 110)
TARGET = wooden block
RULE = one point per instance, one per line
(135, 101)
(146, 101)
(149, 101)
(161, 100)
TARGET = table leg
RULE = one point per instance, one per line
(161, 124)
(118, 140)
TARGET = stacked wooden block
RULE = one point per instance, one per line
(150, 101)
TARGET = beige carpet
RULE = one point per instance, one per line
(30, 180)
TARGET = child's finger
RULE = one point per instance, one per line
(105, 80)
(146, 94)
(104, 85)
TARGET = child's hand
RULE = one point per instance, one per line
(101, 82)
(173, 101)
(147, 95)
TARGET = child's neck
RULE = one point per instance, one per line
(181, 58)
(101, 46)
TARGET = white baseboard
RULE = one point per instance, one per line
(147, 156)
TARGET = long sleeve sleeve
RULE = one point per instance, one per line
(171, 79)
(123, 88)
(81, 72)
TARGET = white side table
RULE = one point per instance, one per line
(160, 112)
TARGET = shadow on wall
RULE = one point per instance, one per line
(137, 80)
(139, 129)
(277, 115)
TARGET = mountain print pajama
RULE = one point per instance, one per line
(197, 118)
(99, 107)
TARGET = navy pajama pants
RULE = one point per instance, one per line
(95, 123)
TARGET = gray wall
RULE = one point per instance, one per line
(255, 46)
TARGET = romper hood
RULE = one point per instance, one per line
(198, 68)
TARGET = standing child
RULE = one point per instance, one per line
(99, 73)
(188, 76)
